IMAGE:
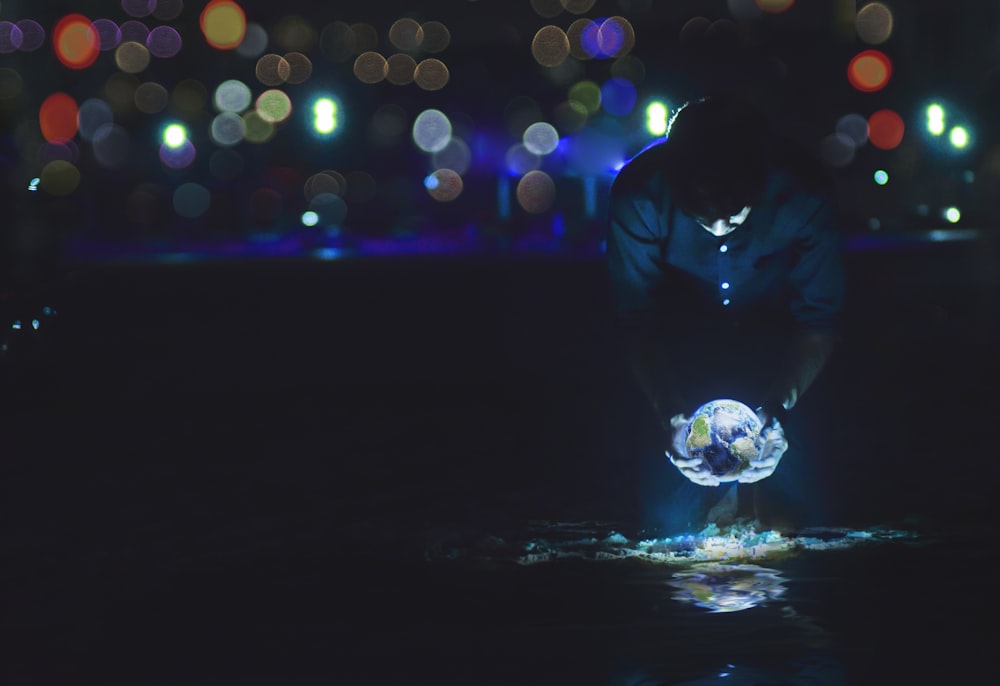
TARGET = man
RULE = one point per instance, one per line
(727, 278)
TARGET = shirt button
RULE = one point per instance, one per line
(723, 248)
(725, 285)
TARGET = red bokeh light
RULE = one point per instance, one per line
(886, 129)
(59, 118)
(75, 41)
(869, 71)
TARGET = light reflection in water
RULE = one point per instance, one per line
(727, 587)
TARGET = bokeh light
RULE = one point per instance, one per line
(550, 46)
(138, 8)
(189, 97)
(444, 185)
(456, 156)
(431, 74)
(174, 135)
(223, 23)
(274, 106)
(108, 33)
(618, 96)
(164, 42)
(432, 130)
(952, 214)
(325, 119)
(657, 118)
(588, 94)
(869, 71)
(371, 67)
(855, 127)
(775, 6)
(135, 31)
(32, 35)
(536, 192)
(272, 70)
(300, 67)
(959, 137)
(541, 138)
(112, 146)
(406, 34)
(132, 57)
(881, 177)
(885, 129)
(519, 160)
(874, 23)
(151, 98)
(935, 119)
(177, 156)
(437, 37)
(94, 113)
(58, 118)
(232, 96)
(168, 10)
(577, 6)
(837, 150)
(328, 181)
(227, 129)
(254, 43)
(191, 200)
(75, 41)
(294, 33)
(10, 37)
(400, 69)
(59, 177)
(547, 8)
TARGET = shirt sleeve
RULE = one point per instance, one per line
(633, 252)
(817, 274)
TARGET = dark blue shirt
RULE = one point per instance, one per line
(784, 261)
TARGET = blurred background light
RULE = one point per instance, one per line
(151, 98)
(191, 200)
(75, 41)
(959, 137)
(775, 6)
(227, 129)
(232, 95)
(519, 160)
(536, 192)
(300, 67)
(618, 96)
(274, 106)
(93, 114)
(588, 94)
(324, 116)
(164, 42)
(132, 57)
(174, 135)
(112, 146)
(254, 42)
(577, 6)
(885, 129)
(138, 8)
(431, 74)
(952, 214)
(272, 69)
(135, 31)
(108, 33)
(881, 177)
(406, 34)
(657, 118)
(59, 177)
(541, 138)
(550, 46)
(456, 156)
(432, 130)
(874, 23)
(869, 71)
(400, 69)
(310, 218)
(58, 118)
(444, 185)
(436, 35)
(855, 127)
(223, 23)
(10, 37)
(32, 35)
(371, 67)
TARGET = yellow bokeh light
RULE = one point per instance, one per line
(401, 69)
(223, 24)
(273, 70)
(550, 46)
(132, 57)
(371, 67)
(431, 74)
(406, 35)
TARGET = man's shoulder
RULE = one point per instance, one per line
(643, 171)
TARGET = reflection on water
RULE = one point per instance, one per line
(549, 541)
(727, 588)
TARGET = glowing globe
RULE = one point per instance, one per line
(726, 435)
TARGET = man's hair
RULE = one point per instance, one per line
(718, 156)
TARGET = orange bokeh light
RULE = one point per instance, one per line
(869, 71)
(886, 129)
(75, 41)
(59, 118)
(224, 24)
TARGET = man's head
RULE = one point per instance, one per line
(719, 160)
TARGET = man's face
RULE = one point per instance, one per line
(723, 227)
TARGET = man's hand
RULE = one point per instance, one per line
(774, 448)
(694, 469)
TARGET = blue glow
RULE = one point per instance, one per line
(35, 324)
(618, 96)
(431, 182)
(881, 177)
(16, 325)
(328, 253)
(33, 184)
